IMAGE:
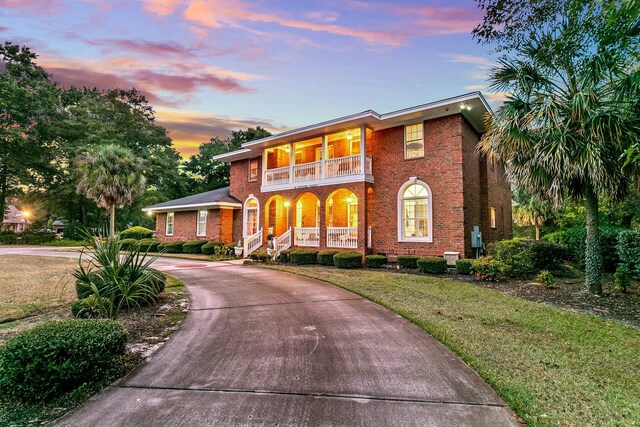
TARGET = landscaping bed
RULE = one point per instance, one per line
(553, 366)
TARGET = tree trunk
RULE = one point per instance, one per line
(537, 224)
(3, 189)
(112, 220)
(593, 252)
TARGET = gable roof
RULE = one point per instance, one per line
(13, 215)
(472, 106)
(209, 199)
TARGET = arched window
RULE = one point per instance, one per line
(414, 212)
(251, 216)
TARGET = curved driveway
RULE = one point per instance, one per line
(262, 347)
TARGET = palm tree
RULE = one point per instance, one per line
(569, 116)
(111, 175)
(530, 210)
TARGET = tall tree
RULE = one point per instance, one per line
(28, 104)
(207, 174)
(111, 175)
(570, 115)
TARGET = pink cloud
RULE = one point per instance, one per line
(162, 50)
(37, 6)
(162, 7)
(187, 84)
(435, 20)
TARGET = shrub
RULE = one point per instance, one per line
(348, 260)
(55, 358)
(193, 247)
(546, 255)
(487, 269)
(121, 281)
(74, 230)
(65, 242)
(628, 248)
(261, 256)
(36, 237)
(88, 308)
(515, 255)
(171, 247)
(8, 238)
(546, 279)
(147, 245)
(285, 256)
(303, 256)
(128, 244)
(137, 233)
(574, 239)
(622, 278)
(433, 265)
(326, 257)
(464, 266)
(211, 248)
(231, 248)
(408, 261)
(375, 261)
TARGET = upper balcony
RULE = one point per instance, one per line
(329, 159)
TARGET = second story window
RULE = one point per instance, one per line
(253, 169)
(413, 141)
(492, 217)
(169, 229)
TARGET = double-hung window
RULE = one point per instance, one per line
(413, 141)
(253, 169)
(169, 229)
(202, 223)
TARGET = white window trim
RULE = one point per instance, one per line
(206, 216)
(401, 237)
(166, 226)
(244, 214)
(404, 138)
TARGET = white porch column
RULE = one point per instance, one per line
(324, 156)
(292, 158)
(363, 146)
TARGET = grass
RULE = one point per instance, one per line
(32, 285)
(554, 367)
(64, 242)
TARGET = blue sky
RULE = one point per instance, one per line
(212, 66)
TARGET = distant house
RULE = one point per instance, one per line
(406, 182)
(14, 220)
(58, 226)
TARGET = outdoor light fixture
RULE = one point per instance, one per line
(349, 199)
(349, 136)
(286, 204)
(26, 214)
(465, 107)
(149, 213)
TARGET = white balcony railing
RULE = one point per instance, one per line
(253, 242)
(343, 166)
(307, 172)
(307, 236)
(277, 176)
(281, 243)
(342, 237)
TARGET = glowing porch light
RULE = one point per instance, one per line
(349, 199)
(26, 214)
(149, 213)
(287, 204)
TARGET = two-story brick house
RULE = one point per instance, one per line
(406, 182)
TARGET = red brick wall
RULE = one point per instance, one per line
(219, 226)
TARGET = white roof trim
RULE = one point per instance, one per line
(192, 206)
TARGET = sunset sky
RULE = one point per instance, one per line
(212, 66)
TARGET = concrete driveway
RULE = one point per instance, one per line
(261, 347)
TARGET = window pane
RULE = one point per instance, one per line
(415, 211)
(414, 141)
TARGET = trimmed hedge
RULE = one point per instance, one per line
(487, 269)
(464, 266)
(172, 247)
(137, 233)
(326, 257)
(303, 256)
(193, 247)
(628, 248)
(375, 261)
(147, 245)
(55, 358)
(433, 265)
(285, 256)
(348, 260)
(210, 248)
(36, 237)
(128, 244)
(261, 256)
(8, 238)
(408, 261)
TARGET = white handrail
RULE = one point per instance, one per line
(307, 236)
(342, 237)
(253, 242)
(343, 166)
(277, 176)
(281, 243)
(307, 171)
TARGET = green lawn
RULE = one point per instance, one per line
(554, 367)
